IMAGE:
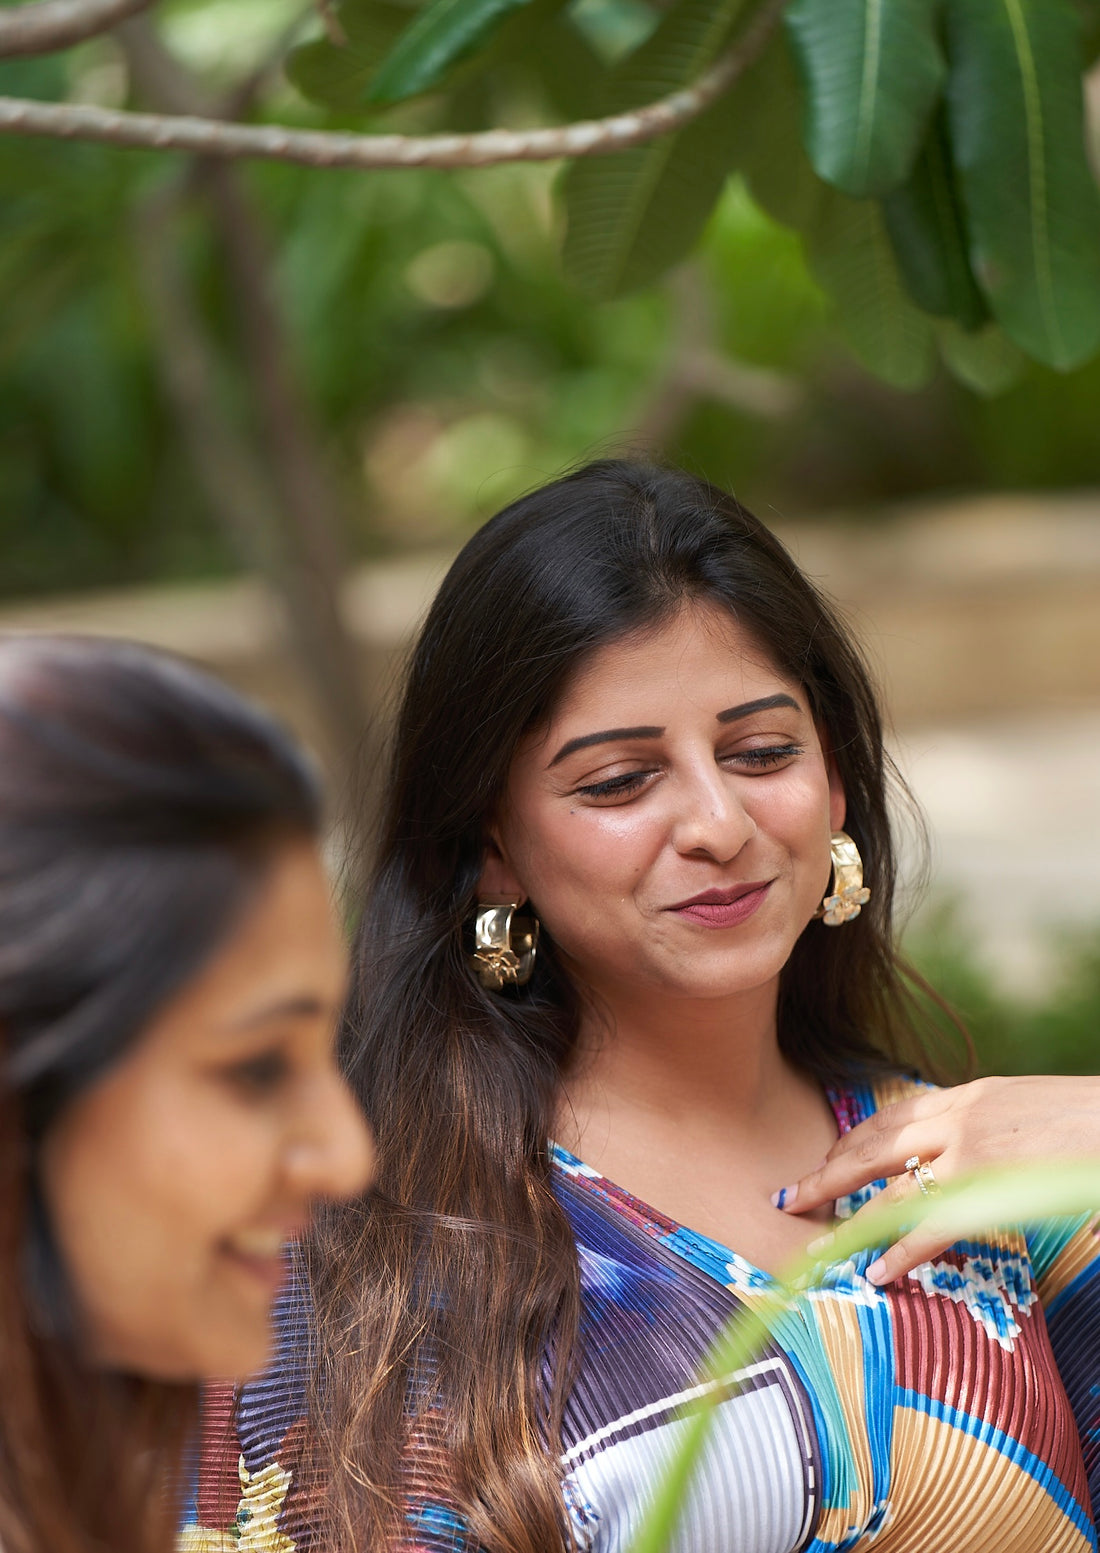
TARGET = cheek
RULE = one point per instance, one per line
(806, 822)
(113, 1222)
(591, 855)
(140, 1200)
(588, 877)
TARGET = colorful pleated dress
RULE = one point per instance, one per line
(956, 1411)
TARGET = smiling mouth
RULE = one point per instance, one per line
(263, 1244)
(263, 1253)
(724, 908)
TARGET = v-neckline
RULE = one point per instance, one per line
(667, 1230)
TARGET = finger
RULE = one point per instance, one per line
(899, 1191)
(919, 1244)
(922, 1244)
(870, 1155)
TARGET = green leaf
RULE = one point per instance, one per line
(925, 221)
(1089, 11)
(339, 75)
(850, 253)
(1032, 207)
(632, 215)
(445, 32)
(614, 28)
(874, 70)
(984, 359)
(570, 73)
(766, 143)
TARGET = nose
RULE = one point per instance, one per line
(710, 817)
(331, 1152)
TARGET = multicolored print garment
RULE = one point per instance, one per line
(955, 1412)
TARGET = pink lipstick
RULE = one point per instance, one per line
(724, 908)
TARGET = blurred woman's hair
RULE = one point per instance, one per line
(141, 803)
(447, 1293)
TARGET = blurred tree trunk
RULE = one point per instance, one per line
(269, 484)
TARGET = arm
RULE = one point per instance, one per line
(992, 1121)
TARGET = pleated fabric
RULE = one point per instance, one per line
(957, 1411)
(926, 1417)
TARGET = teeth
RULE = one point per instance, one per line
(259, 1242)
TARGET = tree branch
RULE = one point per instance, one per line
(320, 148)
(58, 24)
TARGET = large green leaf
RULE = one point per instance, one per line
(443, 33)
(571, 74)
(1032, 207)
(1090, 16)
(766, 143)
(984, 359)
(850, 252)
(925, 221)
(632, 215)
(874, 69)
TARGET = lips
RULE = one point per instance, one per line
(724, 908)
(262, 1252)
(261, 1243)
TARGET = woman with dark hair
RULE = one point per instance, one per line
(170, 1103)
(632, 720)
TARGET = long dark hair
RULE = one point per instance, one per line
(140, 804)
(437, 1308)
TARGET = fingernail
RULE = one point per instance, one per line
(785, 1196)
(876, 1273)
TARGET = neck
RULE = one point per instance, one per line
(679, 1057)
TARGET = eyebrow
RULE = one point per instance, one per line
(606, 737)
(304, 1007)
(733, 714)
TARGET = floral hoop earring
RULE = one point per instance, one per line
(504, 945)
(847, 894)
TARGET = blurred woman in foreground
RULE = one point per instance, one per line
(170, 1107)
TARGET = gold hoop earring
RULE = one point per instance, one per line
(504, 945)
(847, 893)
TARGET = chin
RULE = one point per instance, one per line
(238, 1360)
(234, 1359)
(728, 974)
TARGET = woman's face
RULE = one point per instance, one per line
(176, 1181)
(671, 824)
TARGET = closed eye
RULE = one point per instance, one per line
(259, 1075)
(767, 758)
(616, 786)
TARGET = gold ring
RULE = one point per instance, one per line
(923, 1175)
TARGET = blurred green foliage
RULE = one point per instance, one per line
(931, 153)
(1055, 1029)
(448, 360)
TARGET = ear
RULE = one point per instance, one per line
(838, 805)
(498, 878)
